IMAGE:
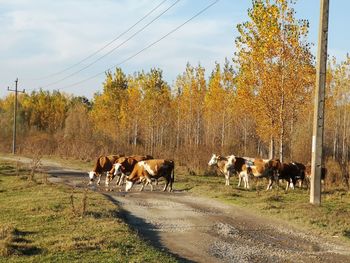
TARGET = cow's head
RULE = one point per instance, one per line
(92, 175)
(214, 160)
(116, 170)
(128, 185)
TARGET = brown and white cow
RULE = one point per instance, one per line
(102, 164)
(124, 166)
(147, 170)
(228, 166)
(258, 168)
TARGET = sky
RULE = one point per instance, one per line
(40, 38)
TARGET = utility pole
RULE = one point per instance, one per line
(15, 115)
(318, 126)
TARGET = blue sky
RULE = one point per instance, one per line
(42, 37)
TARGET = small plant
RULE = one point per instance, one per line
(17, 168)
(84, 202)
(6, 238)
(35, 164)
(76, 211)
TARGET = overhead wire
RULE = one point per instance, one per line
(105, 46)
(115, 48)
(143, 49)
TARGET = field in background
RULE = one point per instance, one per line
(42, 222)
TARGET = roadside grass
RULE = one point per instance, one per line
(44, 222)
(331, 219)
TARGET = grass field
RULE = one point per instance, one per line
(42, 222)
(331, 219)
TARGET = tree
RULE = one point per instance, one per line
(274, 66)
(219, 102)
(190, 90)
(107, 105)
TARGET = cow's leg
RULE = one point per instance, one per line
(150, 182)
(240, 175)
(292, 183)
(99, 178)
(147, 181)
(247, 181)
(118, 180)
(287, 186)
(269, 186)
(144, 182)
(166, 184)
(121, 180)
(227, 178)
(107, 180)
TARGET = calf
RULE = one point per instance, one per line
(147, 170)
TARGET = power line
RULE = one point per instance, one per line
(105, 46)
(112, 50)
(145, 48)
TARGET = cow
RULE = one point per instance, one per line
(102, 164)
(123, 166)
(145, 171)
(257, 168)
(290, 172)
(301, 175)
(227, 165)
(308, 174)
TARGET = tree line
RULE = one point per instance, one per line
(259, 103)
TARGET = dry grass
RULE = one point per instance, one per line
(37, 224)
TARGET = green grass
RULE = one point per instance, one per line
(40, 223)
(332, 218)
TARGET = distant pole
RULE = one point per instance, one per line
(15, 115)
(317, 137)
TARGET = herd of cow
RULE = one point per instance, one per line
(272, 169)
(140, 169)
(145, 169)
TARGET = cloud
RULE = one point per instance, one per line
(42, 37)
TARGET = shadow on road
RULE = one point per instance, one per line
(145, 230)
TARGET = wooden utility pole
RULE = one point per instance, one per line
(15, 115)
(317, 137)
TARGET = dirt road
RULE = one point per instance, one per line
(196, 229)
(203, 230)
